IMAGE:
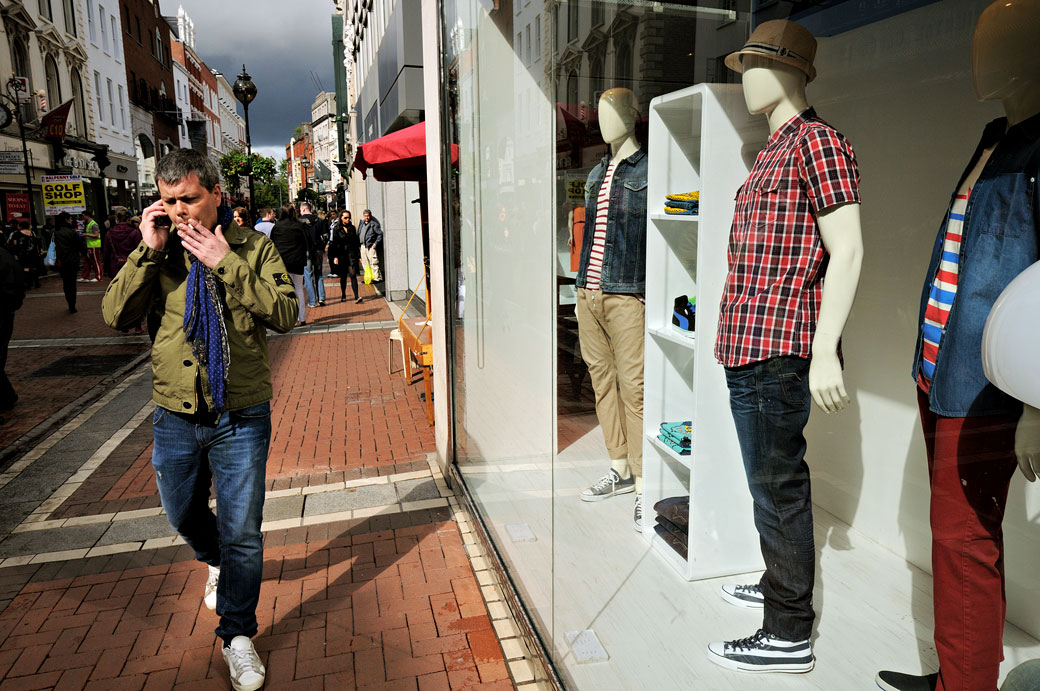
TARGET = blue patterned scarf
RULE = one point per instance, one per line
(204, 326)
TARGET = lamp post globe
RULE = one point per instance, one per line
(245, 92)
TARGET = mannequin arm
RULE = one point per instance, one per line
(840, 230)
(1027, 442)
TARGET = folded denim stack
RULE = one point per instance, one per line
(686, 204)
(673, 523)
(678, 436)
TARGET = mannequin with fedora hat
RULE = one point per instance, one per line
(794, 262)
(975, 434)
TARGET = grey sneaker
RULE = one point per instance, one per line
(637, 514)
(247, 672)
(608, 486)
(763, 652)
(743, 595)
(211, 587)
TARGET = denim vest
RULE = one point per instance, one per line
(1001, 224)
(624, 250)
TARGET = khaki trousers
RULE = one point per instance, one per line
(611, 328)
(371, 257)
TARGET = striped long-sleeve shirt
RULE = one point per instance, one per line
(599, 236)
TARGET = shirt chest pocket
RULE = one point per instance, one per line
(766, 201)
(1007, 208)
(634, 201)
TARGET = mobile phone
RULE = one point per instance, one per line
(163, 222)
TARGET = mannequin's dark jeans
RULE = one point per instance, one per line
(770, 404)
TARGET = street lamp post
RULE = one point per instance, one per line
(303, 168)
(12, 97)
(245, 92)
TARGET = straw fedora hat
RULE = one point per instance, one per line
(780, 40)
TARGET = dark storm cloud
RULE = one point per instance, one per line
(280, 42)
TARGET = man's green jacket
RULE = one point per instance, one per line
(258, 294)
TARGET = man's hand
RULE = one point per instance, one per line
(825, 378)
(154, 236)
(209, 247)
(1027, 442)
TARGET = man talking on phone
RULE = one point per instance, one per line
(218, 288)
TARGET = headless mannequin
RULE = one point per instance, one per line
(778, 91)
(618, 127)
(1006, 67)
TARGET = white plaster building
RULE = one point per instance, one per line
(326, 144)
(182, 87)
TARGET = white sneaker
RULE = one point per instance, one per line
(247, 673)
(749, 596)
(211, 587)
(763, 652)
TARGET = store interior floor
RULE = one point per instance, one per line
(583, 566)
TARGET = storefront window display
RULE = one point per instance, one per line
(634, 227)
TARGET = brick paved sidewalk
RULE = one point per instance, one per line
(372, 576)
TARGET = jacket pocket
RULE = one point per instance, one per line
(1008, 207)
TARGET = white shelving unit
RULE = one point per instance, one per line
(701, 138)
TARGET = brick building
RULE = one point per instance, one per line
(149, 75)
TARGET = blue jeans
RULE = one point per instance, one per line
(313, 281)
(770, 404)
(233, 453)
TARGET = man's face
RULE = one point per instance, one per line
(367, 216)
(187, 199)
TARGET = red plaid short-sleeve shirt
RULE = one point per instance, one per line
(776, 256)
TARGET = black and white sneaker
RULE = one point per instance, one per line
(763, 652)
(749, 596)
(897, 681)
(608, 486)
(637, 514)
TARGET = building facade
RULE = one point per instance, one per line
(155, 118)
(112, 121)
(326, 146)
(383, 51)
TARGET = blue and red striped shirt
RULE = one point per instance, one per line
(943, 291)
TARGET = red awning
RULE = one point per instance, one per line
(400, 155)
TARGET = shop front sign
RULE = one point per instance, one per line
(63, 193)
(16, 205)
(81, 165)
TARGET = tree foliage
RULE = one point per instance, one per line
(272, 194)
(235, 163)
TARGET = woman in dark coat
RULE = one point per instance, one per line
(120, 240)
(345, 254)
(290, 239)
(69, 247)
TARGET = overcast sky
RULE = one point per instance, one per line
(280, 42)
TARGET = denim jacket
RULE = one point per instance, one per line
(624, 252)
(1001, 224)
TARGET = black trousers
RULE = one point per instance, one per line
(69, 273)
(8, 396)
(345, 268)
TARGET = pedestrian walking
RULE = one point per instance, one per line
(345, 254)
(69, 247)
(318, 239)
(25, 247)
(92, 235)
(242, 218)
(372, 238)
(121, 239)
(290, 238)
(12, 293)
(267, 221)
(211, 382)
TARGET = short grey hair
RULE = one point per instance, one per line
(306, 208)
(181, 163)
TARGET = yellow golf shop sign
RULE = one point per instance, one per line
(63, 193)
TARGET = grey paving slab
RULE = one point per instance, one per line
(56, 540)
(137, 529)
(417, 490)
(281, 508)
(347, 499)
(14, 512)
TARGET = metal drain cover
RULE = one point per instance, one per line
(586, 646)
